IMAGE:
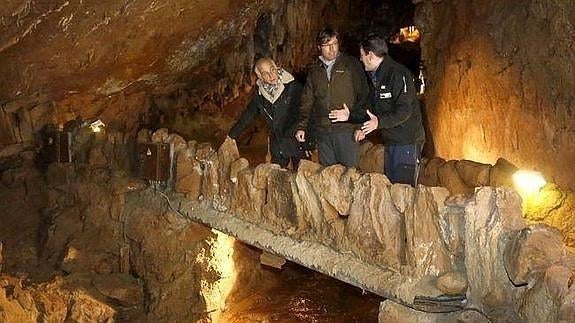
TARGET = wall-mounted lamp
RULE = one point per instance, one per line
(97, 125)
(528, 183)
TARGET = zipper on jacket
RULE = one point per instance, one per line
(268, 114)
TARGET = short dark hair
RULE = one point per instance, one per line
(325, 35)
(374, 43)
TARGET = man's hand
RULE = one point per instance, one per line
(358, 135)
(300, 135)
(371, 124)
(339, 115)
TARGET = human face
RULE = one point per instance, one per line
(330, 49)
(368, 59)
(268, 73)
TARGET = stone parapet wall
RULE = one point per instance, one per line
(452, 244)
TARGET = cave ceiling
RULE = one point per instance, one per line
(53, 49)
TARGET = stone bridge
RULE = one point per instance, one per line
(415, 246)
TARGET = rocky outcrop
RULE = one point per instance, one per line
(463, 176)
(497, 89)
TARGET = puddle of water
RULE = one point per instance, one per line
(305, 296)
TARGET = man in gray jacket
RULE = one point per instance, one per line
(334, 81)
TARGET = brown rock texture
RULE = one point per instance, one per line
(426, 248)
(375, 228)
(532, 251)
(497, 87)
(490, 221)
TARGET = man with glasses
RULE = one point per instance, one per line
(336, 80)
(277, 100)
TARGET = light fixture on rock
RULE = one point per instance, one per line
(527, 183)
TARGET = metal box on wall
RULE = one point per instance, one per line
(58, 146)
(154, 161)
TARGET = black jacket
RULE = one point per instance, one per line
(347, 85)
(393, 99)
(281, 118)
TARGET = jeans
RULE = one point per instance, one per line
(401, 163)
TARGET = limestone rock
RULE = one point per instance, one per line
(261, 174)
(203, 151)
(160, 135)
(279, 212)
(391, 312)
(144, 135)
(83, 308)
(335, 184)
(375, 229)
(532, 250)
(553, 206)
(402, 196)
(502, 173)
(449, 178)
(567, 309)
(236, 167)
(122, 184)
(426, 248)
(307, 200)
(227, 154)
(473, 174)
(177, 141)
(452, 283)
(188, 174)
(490, 221)
(428, 175)
(209, 162)
(453, 228)
(542, 301)
(248, 199)
(122, 288)
(371, 158)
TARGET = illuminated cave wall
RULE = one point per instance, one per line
(500, 82)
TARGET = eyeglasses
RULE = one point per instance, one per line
(333, 44)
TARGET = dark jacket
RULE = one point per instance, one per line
(393, 99)
(281, 118)
(320, 95)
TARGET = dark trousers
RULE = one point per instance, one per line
(402, 163)
(284, 160)
(337, 148)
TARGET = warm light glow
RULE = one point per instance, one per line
(528, 183)
(219, 259)
(410, 34)
(97, 125)
(473, 145)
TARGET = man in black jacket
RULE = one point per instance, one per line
(277, 100)
(393, 108)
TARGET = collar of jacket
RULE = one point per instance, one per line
(284, 78)
(387, 61)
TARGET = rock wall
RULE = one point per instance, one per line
(500, 82)
(117, 251)
(478, 244)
